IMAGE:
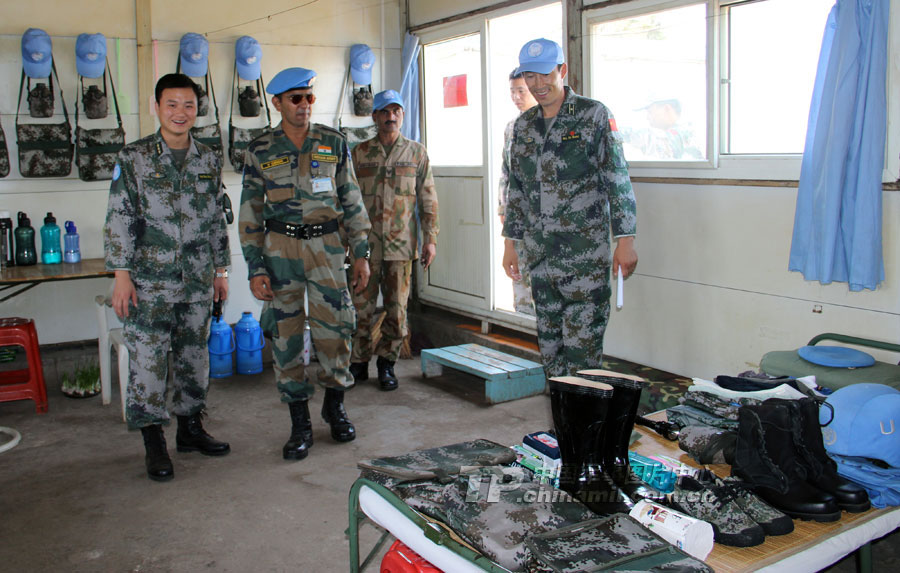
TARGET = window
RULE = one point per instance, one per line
(653, 65)
(453, 101)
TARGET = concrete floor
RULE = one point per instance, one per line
(74, 494)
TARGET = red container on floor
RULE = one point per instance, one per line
(402, 559)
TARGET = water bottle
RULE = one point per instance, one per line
(221, 345)
(249, 341)
(7, 249)
(26, 253)
(72, 253)
(51, 246)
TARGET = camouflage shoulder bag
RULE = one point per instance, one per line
(96, 149)
(44, 149)
(239, 138)
(4, 154)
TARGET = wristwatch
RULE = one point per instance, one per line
(222, 275)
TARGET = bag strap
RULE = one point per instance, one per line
(62, 99)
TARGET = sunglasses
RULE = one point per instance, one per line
(297, 98)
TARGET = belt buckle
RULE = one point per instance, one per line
(304, 232)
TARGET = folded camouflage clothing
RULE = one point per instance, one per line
(708, 444)
(442, 463)
(717, 405)
(615, 543)
(684, 415)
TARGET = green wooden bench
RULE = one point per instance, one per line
(506, 377)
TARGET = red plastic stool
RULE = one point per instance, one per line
(26, 384)
(401, 559)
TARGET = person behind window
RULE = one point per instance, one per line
(664, 137)
(523, 100)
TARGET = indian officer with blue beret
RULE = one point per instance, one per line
(569, 191)
(300, 201)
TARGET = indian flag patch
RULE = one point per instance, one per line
(324, 149)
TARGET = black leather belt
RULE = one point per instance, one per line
(301, 231)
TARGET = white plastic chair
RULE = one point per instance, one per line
(106, 339)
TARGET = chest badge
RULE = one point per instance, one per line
(314, 164)
(157, 175)
(529, 140)
(571, 136)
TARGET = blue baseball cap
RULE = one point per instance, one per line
(37, 53)
(361, 61)
(194, 54)
(865, 423)
(540, 56)
(90, 55)
(247, 57)
(386, 98)
(291, 79)
(836, 356)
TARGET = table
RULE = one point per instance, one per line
(28, 277)
(811, 547)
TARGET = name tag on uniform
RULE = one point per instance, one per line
(571, 136)
(321, 184)
(275, 163)
(203, 176)
(325, 158)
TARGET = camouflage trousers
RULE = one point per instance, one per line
(393, 279)
(150, 329)
(572, 313)
(314, 270)
(522, 301)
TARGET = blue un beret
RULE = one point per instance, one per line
(289, 79)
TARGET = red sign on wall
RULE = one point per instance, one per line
(455, 91)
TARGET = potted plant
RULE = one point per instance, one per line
(83, 383)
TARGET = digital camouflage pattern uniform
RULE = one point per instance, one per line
(568, 188)
(278, 184)
(166, 226)
(395, 182)
(522, 301)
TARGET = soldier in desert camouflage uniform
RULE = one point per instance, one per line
(166, 240)
(299, 190)
(523, 100)
(568, 188)
(395, 177)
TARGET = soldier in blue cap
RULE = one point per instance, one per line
(395, 176)
(299, 191)
(568, 191)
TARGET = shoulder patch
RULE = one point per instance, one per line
(331, 131)
(275, 162)
(117, 172)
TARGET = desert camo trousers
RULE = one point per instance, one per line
(393, 278)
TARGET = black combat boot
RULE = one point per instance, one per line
(821, 470)
(191, 437)
(159, 465)
(580, 409)
(766, 459)
(617, 433)
(386, 377)
(297, 446)
(359, 371)
(333, 413)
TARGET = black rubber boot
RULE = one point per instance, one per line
(821, 470)
(333, 413)
(386, 377)
(159, 465)
(191, 437)
(765, 458)
(580, 410)
(623, 408)
(359, 371)
(297, 446)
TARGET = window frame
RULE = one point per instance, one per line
(719, 165)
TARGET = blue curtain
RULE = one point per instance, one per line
(837, 223)
(409, 89)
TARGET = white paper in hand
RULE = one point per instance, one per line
(620, 289)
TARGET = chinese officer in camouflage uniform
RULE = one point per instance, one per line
(395, 177)
(523, 100)
(568, 191)
(166, 240)
(299, 191)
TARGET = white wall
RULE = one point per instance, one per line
(317, 36)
